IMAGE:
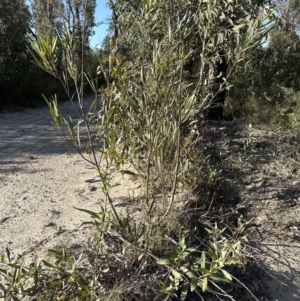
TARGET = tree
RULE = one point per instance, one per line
(46, 16)
(219, 27)
(289, 12)
(282, 58)
(275, 67)
(14, 59)
(51, 18)
(79, 15)
(160, 88)
(231, 21)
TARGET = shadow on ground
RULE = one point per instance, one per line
(262, 169)
(30, 133)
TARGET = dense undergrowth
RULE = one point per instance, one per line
(282, 112)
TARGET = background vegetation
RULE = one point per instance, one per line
(21, 82)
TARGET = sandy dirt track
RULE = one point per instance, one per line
(42, 179)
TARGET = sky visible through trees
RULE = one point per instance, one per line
(101, 15)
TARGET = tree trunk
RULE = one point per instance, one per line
(216, 82)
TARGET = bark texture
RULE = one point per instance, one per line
(217, 74)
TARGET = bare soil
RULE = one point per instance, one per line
(42, 179)
(262, 167)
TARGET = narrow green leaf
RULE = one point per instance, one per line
(36, 277)
(203, 260)
(78, 135)
(204, 284)
(56, 252)
(16, 272)
(71, 127)
(91, 213)
(8, 254)
(227, 275)
(177, 277)
(128, 172)
(48, 264)
(184, 291)
(219, 278)
(165, 261)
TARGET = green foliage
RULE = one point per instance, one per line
(153, 98)
(99, 57)
(190, 270)
(290, 111)
(224, 32)
(14, 58)
(59, 279)
(249, 140)
(269, 82)
(46, 16)
(49, 17)
(87, 277)
(282, 59)
(21, 83)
